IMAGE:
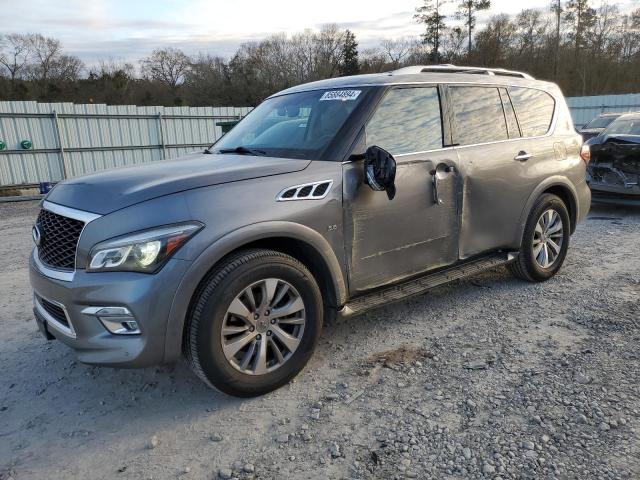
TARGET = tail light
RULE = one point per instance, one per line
(585, 153)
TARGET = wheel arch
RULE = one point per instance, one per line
(299, 241)
(559, 186)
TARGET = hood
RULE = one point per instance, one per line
(112, 190)
(613, 138)
(621, 138)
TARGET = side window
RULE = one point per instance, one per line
(478, 115)
(509, 114)
(407, 120)
(535, 110)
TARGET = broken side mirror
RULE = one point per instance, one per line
(380, 170)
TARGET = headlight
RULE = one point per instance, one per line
(144, 251)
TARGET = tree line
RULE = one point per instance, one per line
(587, 50)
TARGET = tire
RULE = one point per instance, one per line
(529, 266)
(242, 280)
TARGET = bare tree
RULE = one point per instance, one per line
(372, 60)
(604, 25)
(46, 52)
(328, 51)
(453, 44)
(15, 53)
(397, 49)
(166, 65)
(628, 41)
(556, 8)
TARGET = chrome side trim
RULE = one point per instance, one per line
(65, 276)
(51, 321)
(314, 185)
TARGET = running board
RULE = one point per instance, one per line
(420, 285)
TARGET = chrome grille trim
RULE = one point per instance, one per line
(86, 217)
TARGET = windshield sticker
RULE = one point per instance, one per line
(343, 95)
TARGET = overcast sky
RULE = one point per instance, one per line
(130, 29)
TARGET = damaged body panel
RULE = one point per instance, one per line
(614, 171)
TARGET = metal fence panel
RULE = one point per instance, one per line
(70, 140)
(584, 109)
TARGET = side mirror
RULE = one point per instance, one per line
(380, 170)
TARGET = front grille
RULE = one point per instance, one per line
(59, 239)
(55, 310)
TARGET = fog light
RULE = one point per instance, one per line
(117, 320)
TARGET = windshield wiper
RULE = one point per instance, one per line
(243, 151)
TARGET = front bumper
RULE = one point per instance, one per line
(615, 194)
(147, 297)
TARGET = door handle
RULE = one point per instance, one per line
(441, 170)
(523, 156)
(436, 196)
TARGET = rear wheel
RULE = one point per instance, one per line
(255, 323)
(545, 241)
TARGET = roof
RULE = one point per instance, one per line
(630, 115)
(423, 74)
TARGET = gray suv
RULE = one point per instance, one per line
(328, 199)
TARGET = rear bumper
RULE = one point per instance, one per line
(147, 297)
(584, 201)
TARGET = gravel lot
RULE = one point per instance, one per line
(484, 378)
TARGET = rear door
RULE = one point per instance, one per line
(498, 166)
(387, 240)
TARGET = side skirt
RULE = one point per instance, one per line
(424, 283)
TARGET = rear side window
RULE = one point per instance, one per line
(407, 120)
(478, 115)
(535, 110)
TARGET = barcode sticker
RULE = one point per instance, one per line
(343, 95)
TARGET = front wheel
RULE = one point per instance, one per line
(255, 323)
(545, 240)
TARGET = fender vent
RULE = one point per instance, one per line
(306, 191)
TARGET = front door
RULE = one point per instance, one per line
(388, 240)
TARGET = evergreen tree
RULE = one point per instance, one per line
(581, 17)
(349, 64)
(468, 10)
(430, 14)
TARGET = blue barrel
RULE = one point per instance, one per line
(45, 187)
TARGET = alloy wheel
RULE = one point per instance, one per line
(263, 326)
(548, 237)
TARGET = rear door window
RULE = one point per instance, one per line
(478, 115)
(408, 120)
(535, 110)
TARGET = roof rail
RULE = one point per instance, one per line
(448, 68)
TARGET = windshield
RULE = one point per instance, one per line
(600, 122)
(298, 125)
(624, 126)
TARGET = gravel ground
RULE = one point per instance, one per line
(484, 378)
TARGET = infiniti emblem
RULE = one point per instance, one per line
(36, 234)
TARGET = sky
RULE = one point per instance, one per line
(98, 30)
